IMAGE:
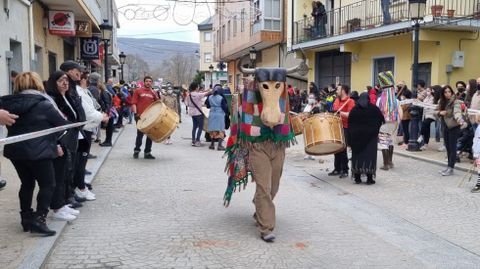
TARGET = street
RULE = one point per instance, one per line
(168, 213)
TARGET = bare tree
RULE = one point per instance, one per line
(135, 68)
(179, 69)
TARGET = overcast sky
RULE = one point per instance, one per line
(176, 21)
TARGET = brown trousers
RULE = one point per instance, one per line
(266, 160)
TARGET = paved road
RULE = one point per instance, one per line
(168, 213)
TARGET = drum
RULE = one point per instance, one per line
(323, 134)
(297, 124)
(158, 121)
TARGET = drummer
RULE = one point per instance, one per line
(344, 104)
(142, 98)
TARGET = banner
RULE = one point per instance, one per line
(61, 23)
(90, 48)
(83, 28)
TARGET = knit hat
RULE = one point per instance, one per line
(69, 65)
(94, 78)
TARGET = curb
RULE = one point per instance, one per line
(38, 254)
(428, 160)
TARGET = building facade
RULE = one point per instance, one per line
(260, 24)
(40, 35)
(353, 41)
(206, 52)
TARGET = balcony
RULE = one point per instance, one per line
(365, 18)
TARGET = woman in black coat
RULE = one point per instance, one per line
(33, 158)
(57, 88)
(364, 122)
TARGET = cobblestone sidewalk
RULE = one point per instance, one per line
(168, 213)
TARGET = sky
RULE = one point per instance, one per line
(163, 19)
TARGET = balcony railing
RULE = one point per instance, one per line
(368, 14)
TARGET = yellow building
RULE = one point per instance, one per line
(352, 42)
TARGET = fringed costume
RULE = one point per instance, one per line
(257, 150)
(390, 109)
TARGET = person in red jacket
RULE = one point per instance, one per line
(372, 94)
(343, 104)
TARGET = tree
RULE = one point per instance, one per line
(135, 68)
(179, 69)
(199, 77)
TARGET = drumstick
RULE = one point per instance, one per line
(294, 113)
(344, 104)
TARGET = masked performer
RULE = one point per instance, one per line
(260, 132)
(391, 111)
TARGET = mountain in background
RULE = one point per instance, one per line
(154, 51)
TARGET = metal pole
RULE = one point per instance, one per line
(121, 68)
(105, 42)
(415, 112)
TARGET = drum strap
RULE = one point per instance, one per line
(191, 99)
(344, 104)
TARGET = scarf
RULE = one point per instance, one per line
(388, 103)
(246, 130)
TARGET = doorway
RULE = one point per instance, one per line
(52, 62)
(333, 67)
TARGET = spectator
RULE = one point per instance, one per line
(404, 93)
(216, 119)
(451, 115)
(195, 103)
(33, 158)
(428, 118)
(106, 102)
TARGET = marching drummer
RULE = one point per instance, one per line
(142, 98)
(343, 105)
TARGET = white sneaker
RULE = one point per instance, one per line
(420, 139)
(62, 215)
(70, 210)
(87, 194)
(442, 148)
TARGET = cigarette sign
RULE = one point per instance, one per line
(61, 23)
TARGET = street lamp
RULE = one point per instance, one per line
(417, 13)
(253, 56)
(210, 68)
(122, 57)
(107, 30)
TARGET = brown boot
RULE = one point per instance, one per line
(390, 155)
(386, 159)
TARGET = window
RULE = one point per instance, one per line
(242, 21)
(256, 11)
(382, 65)
(207, 57)
(207, 36)
(229, 29)
(273, 16)
(235, 25)
(223, 34)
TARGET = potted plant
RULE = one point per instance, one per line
(450, 13)
(437, 10)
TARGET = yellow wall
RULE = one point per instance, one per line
(436, 47)
(48, 42)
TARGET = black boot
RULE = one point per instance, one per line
(386, 159)
(370, 180)
(220, 146)
(212, 144)
(39, 225)
(358, 179)
(27, 217)
(390, 156)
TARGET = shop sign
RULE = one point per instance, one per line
(61, 23)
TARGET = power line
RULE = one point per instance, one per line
(162, 33)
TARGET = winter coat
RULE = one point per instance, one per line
(35, 113)
(218, 108)
(106, 101)
(69, 140)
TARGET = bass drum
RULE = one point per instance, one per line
(158, 122)
(323, 134)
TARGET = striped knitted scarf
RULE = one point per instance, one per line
(247, 129)
(388, 103)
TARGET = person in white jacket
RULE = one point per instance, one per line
(476, 153)
(95, 117)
